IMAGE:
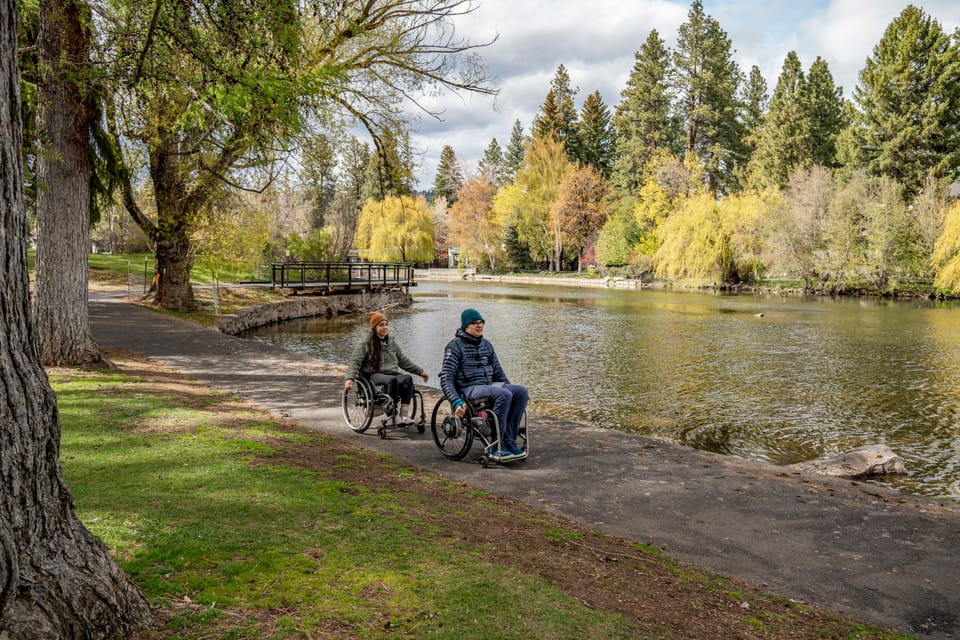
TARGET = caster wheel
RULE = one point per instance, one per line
(421, 427)
(484, 461)
(382, 433)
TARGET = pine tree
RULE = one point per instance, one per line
(595, 135)
(449, 177)
(319, 163)
(513, 158)
(643, 120)
(558, 114)
(756, 101)
(823, 111)
(492, 165)
(707, 80)
(782, 141)
(908, 101)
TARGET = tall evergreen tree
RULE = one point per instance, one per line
(558, 114)
(708, 81)
(782, 141)
(823, 111)
(492, 165)
(595, 135)
(756, 101)
(319, 163)
(908, 101)
(513, 157)
(449, 177)
(643, 120)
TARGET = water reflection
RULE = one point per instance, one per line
(763, 377)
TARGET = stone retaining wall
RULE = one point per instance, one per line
(310, 307)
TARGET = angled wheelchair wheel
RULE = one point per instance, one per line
(357, 404)
(452, 436)
(522, 440)
(419, 412)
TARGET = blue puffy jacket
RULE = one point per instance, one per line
(468, 361)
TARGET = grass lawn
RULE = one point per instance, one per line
(240, 524)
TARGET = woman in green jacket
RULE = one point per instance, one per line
(380, 358)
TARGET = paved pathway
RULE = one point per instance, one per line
(888, 558)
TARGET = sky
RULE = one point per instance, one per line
(596, 41)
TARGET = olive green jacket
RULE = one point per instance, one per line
(392, 360)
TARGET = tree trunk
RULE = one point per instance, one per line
(174, 263)
(56, 579)
(63, 198)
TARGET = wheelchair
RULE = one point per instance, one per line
(361, 401)
(454, 436)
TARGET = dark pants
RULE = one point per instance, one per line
(396, 385)
(509, 403)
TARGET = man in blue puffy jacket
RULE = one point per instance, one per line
(471, 370)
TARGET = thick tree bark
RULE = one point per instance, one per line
(174, 263)
(56, 579)
(63, 198)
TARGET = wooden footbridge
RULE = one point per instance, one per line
(326, 278)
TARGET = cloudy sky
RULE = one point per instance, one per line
(596, 41)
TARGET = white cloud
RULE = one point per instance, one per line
(596, 41)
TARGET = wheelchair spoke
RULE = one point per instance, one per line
(451, 436)
(357, 405)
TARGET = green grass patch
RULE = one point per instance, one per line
(175, 483)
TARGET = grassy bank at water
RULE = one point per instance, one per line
(240, 524)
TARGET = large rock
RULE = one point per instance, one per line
(864, 462)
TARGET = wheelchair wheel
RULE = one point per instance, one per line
(357, 404)
(452, 436)
(419, 412)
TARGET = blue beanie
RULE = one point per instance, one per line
(468, 316)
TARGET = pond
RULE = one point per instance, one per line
(779, 379)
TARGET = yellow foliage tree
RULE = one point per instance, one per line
(946, 253)
(396, 229)
(232, 235)
(704, 238)
(747, 215)
(650, 212)
(693, 241)
(545, 162)
(474, 225)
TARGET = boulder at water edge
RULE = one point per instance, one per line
(863, 462)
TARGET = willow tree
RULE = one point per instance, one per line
(56, 579)
(397, 229)
(946, 253)
(210, 88)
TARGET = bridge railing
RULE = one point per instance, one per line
(342, 276)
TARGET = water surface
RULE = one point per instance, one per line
(770, 378)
